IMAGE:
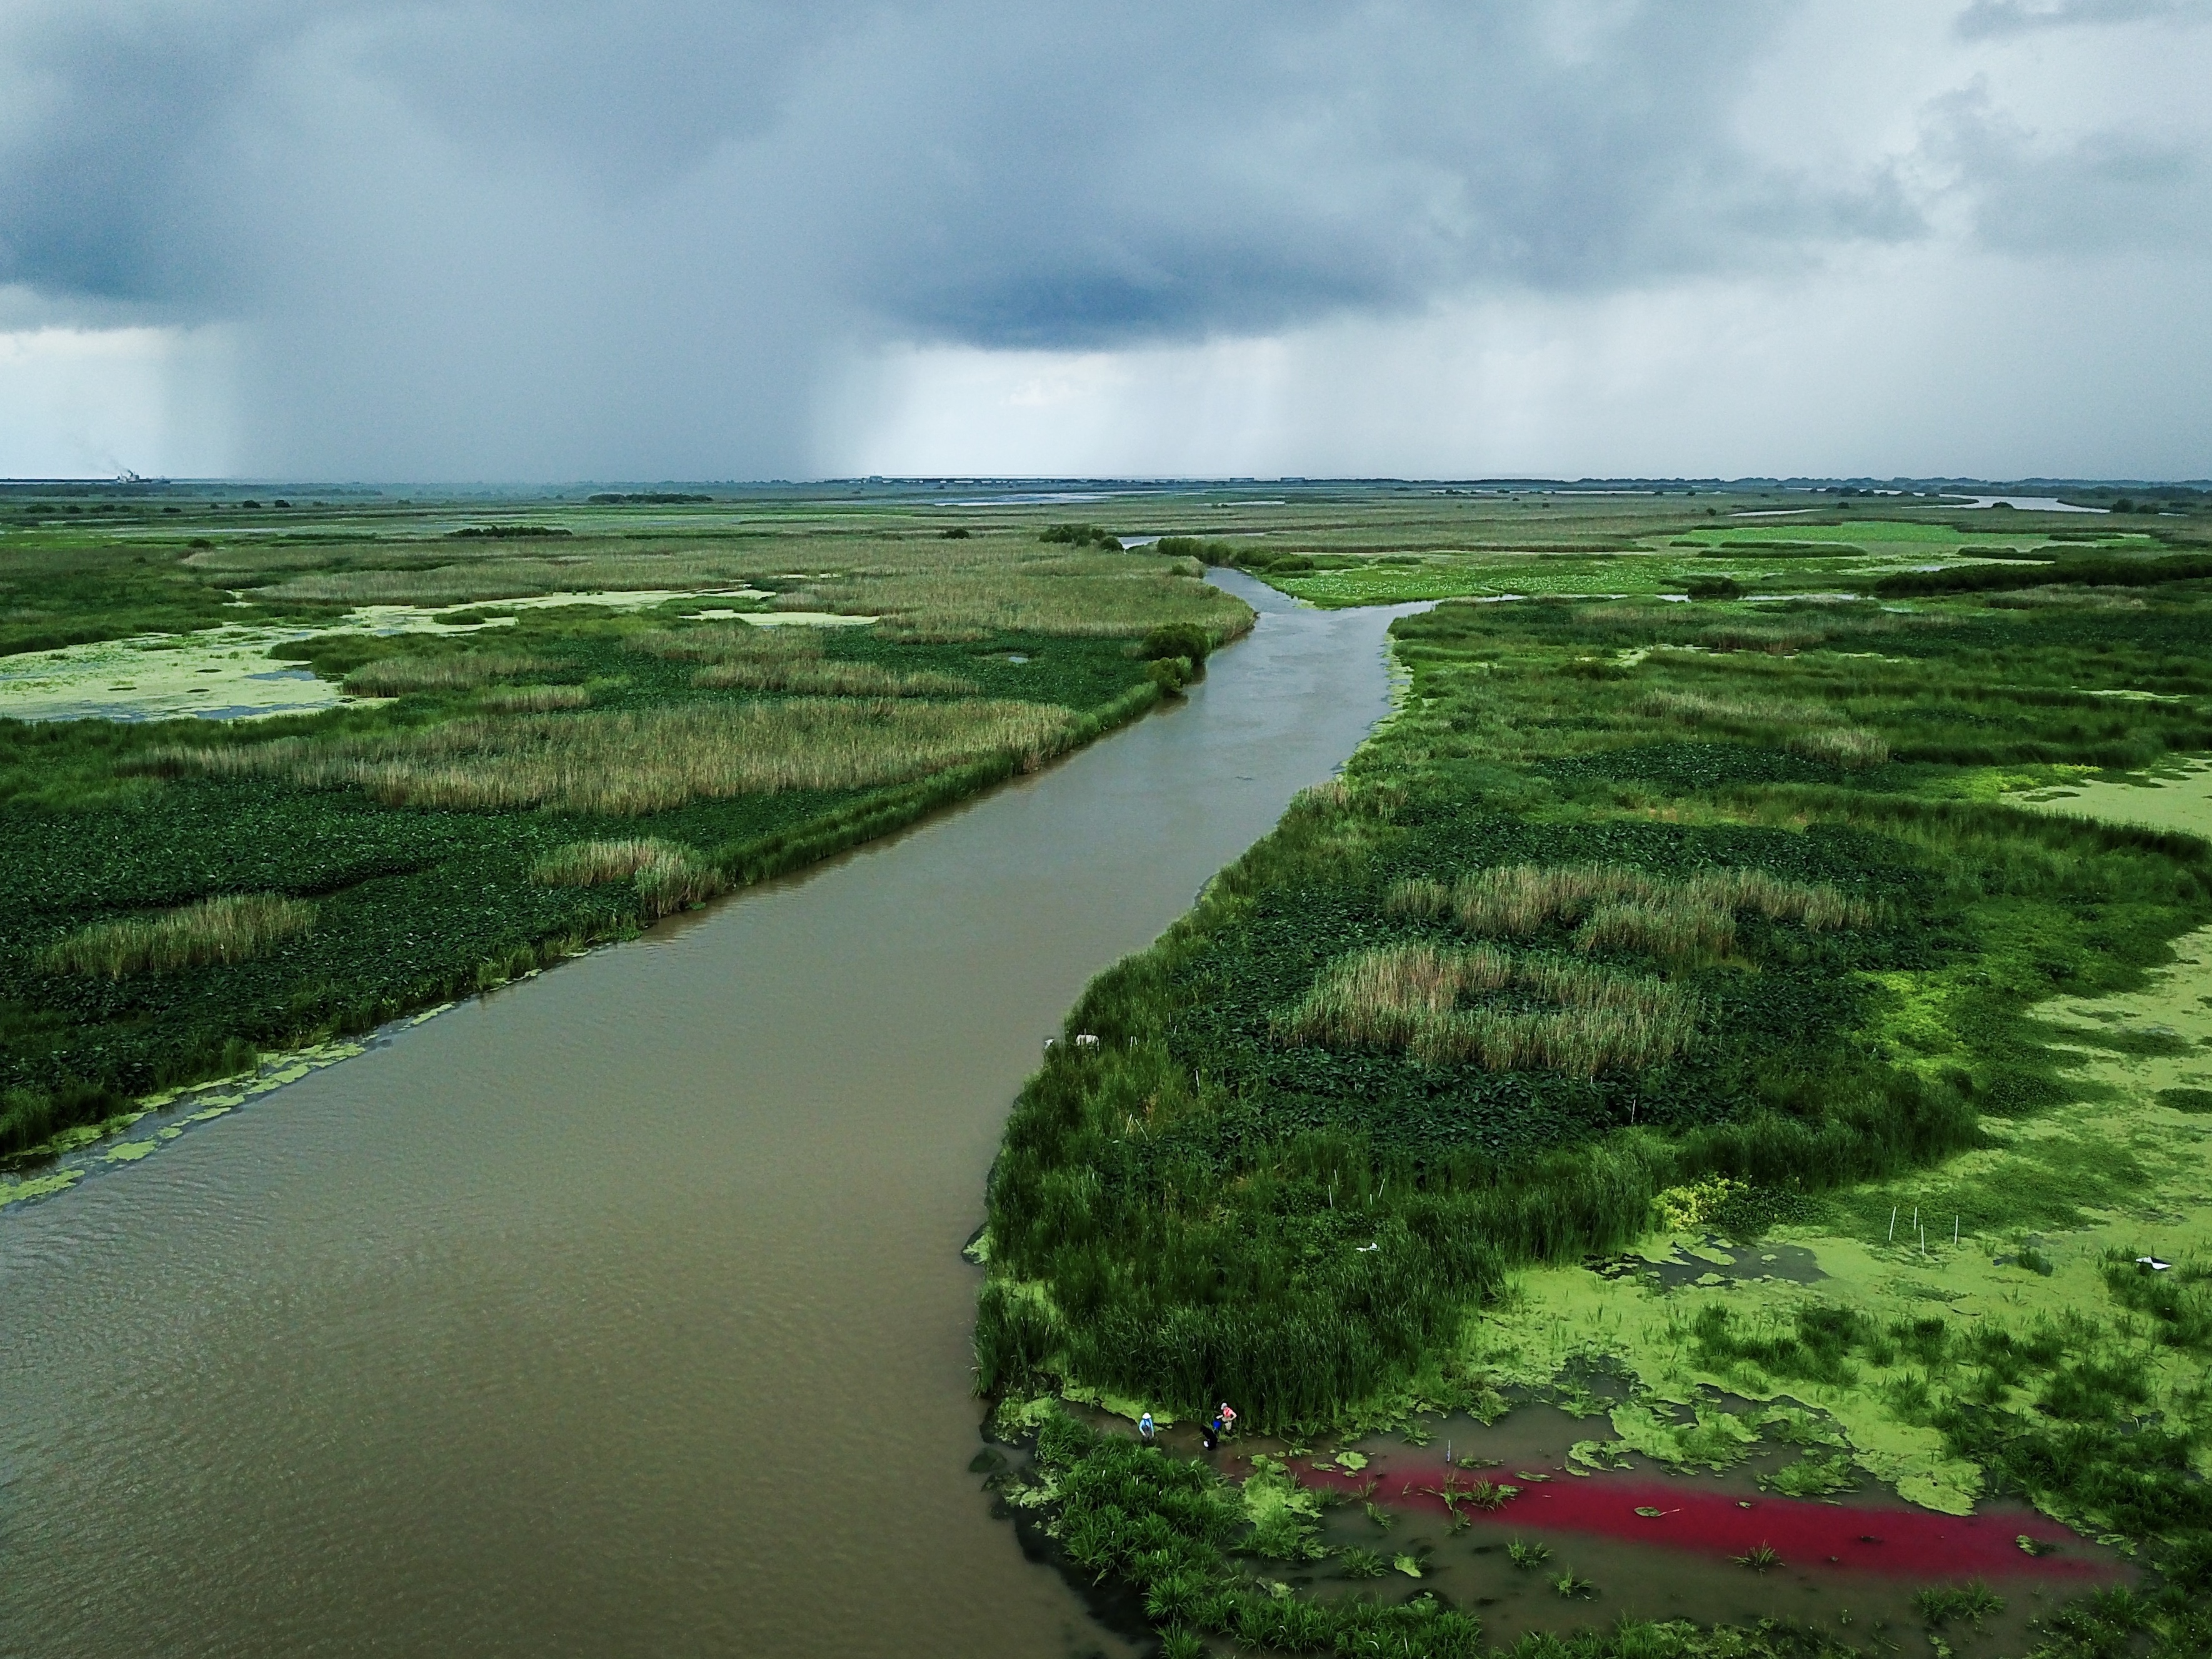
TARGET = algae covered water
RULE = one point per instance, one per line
(622, 1312)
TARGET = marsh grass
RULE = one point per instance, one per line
(1852, 748)
(215, 930)
(629, 762)
(1623, 909)
(1697, 709)
(395, 677)
(666, 877)
(1974, 1601)
(1409, 996)
(533, 699)
(815, 677)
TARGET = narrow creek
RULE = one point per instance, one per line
(622, 1312)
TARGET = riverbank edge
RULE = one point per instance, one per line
(745, 865)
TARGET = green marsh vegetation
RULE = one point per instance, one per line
(538, 741)
(1647, 917)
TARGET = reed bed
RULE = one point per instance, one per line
(215, 930)
(666, 877)
(495, 573)
(1408, 996)
(394, 676)
(533, 699)
(829, 679)
(629, 761)
(1695, 708)
(1619, 907)
(1853, 748)
(1101, 595)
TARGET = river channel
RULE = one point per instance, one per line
(622, 1312)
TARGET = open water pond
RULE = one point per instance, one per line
(623, 1311)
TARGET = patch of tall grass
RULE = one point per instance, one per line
(1697, 709)
(215, 930)
(666, 877)
(1621, 908)
(533, 699)
(1852, 748)
(395, 677)
(815, 677)
(628, 762)
(1409, 996)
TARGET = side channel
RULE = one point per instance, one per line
(622, 1312)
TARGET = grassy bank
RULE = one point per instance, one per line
(1653, 928)
(582, 740)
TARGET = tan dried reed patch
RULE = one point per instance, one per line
(1853, 748)
(1618, 908)
(1413, 996)
(817, 677)
(533, 699)
(666, 877)
(227, 929)
(395, 677)
(629, 762)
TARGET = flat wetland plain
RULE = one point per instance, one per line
(1751, 997)
(454, 744)
(1694, 1144)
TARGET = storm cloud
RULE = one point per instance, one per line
(654, 240)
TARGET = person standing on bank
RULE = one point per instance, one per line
(1145, 1428)
(1226, 1419)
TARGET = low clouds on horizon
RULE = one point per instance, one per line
(678, 238)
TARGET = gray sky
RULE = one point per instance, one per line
(684, 239)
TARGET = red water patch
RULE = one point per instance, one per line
(1914, 1542)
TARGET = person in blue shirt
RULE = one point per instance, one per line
(1145, 1428)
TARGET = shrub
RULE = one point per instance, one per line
(1081, 535)
(1185, 639)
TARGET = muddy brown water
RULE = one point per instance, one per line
(622, 1312)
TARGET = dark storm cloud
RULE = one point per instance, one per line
(2098, 192)
(573, 234)
(992, 173)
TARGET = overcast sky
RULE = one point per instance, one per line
(705, 239)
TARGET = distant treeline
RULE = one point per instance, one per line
(644, 498)
(506, 532)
